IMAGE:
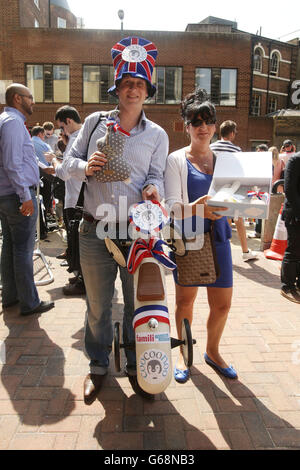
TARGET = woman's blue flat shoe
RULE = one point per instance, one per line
(181, 376)
(228, 372)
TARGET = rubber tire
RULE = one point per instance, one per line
(187, 347)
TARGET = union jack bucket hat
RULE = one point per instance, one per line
(135, 56)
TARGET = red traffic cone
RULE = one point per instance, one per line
(279, 242)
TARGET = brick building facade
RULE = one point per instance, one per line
(74, 66)
(46, 14)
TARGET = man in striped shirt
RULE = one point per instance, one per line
(228, 131)
(145, 150)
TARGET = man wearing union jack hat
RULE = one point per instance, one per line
(145, 150)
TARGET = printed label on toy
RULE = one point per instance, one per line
(154, 366)
(143, 338)
(148, 216)
(134, 53)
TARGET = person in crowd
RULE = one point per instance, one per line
(228, 131)
(145, 150)
(50, 136)
(286, 151)
(290, 267)
(258, 224)
(40, 147)
(69, 121)
(277, 167)
(188, 177)
(261, 148)
(19, 177)
(59, 190)
(288, 147)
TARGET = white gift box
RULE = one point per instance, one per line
(236, 177)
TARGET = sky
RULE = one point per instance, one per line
(173, 15)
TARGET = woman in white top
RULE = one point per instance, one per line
(187, 180)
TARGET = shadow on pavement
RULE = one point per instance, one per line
(258, 274)
(33, 375)
(245, 414)
(133, 423)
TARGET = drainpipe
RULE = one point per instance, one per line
(268, 85)
(49, 13)
(252, 70)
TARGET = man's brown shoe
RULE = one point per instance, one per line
(293, 295)
(91, 387)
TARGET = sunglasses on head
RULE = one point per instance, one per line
(199, 122)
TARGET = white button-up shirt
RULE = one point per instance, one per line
(72, 185)
(145, 150)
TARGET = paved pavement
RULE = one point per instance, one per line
(41, 403)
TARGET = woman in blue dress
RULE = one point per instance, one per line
(187, 180)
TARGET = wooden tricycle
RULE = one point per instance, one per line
(147, 259)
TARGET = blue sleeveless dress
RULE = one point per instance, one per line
(198, 186)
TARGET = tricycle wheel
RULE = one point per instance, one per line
(187, 346)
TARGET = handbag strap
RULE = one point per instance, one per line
(80, 200)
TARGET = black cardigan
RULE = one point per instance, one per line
(291, 210)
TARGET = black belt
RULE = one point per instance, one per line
(89, 218)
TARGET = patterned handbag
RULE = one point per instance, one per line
(198, 267)
(112, 145)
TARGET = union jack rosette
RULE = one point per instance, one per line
(260, 195)
(148, 216)
(116, 127)
(135, 56)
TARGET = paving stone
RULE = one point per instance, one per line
(41, 402)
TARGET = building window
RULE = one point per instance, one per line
(257, 60)
(37, 3)
(220, 84)
(97, 79)
(49, 83)
(272, 104)
(168, 82)
(255, 105)
(274, 65)
(36, 23)
(61, 22)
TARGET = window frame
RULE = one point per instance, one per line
(43, 80)
(156, 71)
(272, 108)
(111, 99)
(258, 107)
(275, 73)
(220, 70)
(59, 18)
(258, 50)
